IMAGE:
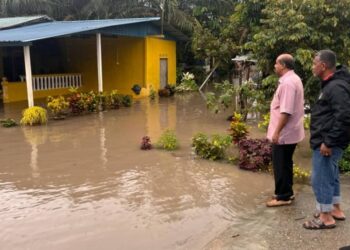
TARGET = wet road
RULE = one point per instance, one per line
(83, 183)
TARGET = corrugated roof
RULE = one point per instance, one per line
(28, 34)
(10, 22)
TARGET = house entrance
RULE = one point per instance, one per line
(163, 72)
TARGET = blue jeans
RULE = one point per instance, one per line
(325, 179)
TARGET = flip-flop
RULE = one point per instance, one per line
(317, 215)
(291, 198)
(317, 224)
(278, 203)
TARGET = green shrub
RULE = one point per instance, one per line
(57, 105)
(300, 175)
(7, 123)
(344, 163)
(168, 140)
(238, 129)
(211, 148)
(127, 100)
(264, 124)
(187, 83)
(152, 93)
(34, 116)
(115, 99)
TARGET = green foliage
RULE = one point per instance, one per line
(57, 105)
(300, 175)
(168, 140)
(115, 99)
(187, 83)
(152, 93)
(301, 27)
(264, 124)
(344, 163)
(7, 123)
(34, 116)
(103, 100)
(127, 100)
(307, 120)
(226, 93)
(238, 129)
(211, 148)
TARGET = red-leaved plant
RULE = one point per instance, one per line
(254, 154)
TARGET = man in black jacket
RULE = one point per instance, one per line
(330, 125)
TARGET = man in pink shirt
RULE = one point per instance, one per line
(286, 128)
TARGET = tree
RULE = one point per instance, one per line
(301, 27)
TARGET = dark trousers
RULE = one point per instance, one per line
(282, 160)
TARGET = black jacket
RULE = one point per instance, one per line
(330, 116)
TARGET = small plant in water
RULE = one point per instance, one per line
(7, 123)
(57, 106)
(146, 143)
(168, 140)
(238, 129)
(187, 83)
(211, 148)
(34, 116)
(152, 93)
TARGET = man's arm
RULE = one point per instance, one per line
(281, 123)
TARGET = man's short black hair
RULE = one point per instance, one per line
(287, 61)
(328, 57)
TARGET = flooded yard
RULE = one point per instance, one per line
(83, 183)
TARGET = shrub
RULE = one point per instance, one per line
(126, 100)
(212, 149)
(57, 105)
(307, 120)
(264, 124)
(300, 175)
(76, 104)
(34, 116)
(152, 93)
(238, 129)
(115, 99)
(187, 83)
(7, 123)
(168, 140)
(146, 143)
(344, 163)
(254, 154)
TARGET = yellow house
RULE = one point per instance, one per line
(48, 58)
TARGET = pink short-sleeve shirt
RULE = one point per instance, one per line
(288, 98)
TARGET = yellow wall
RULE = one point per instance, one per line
(17, 91)
(157, 48)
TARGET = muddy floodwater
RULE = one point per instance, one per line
(83, 183)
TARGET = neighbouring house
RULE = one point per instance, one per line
(41, 57)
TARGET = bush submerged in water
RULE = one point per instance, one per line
(34, 116)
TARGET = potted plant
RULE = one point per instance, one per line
(136, 89)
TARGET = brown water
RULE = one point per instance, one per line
(83, 183)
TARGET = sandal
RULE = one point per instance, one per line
(278, 203)
(317, 224)
(317, 215)
(291, 197)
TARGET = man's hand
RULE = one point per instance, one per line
(275, 137)
(325, 151)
